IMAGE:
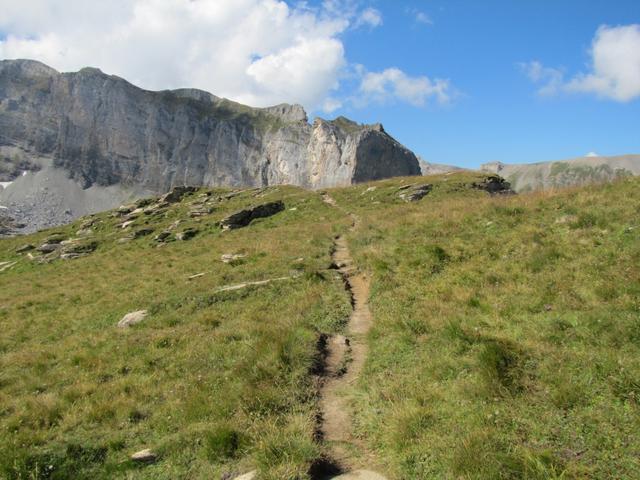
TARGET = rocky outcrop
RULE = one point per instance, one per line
(245, 217)
(495, 185)
(101, 132)
(565, 173)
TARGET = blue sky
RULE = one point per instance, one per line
(462, 82)
(498, 114)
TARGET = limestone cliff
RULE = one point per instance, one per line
(104, 132)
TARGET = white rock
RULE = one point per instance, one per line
(145, 456)
(248, 476)
(360, 475)
(230, 257)
(132, 318)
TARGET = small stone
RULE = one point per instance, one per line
(248, 476)
(143, 232)
(85, 232)
(200, 212)
(25, 248)
(144, 202)
(132, 318)
(175, 225)
(78, 248)
(125, 209)
(187, 234)
(48, 247)
(88, 223)
(162, 236)
(231, 257)
(176, 194)
(127, 223)
(144, 456)
(55, 238)
(72, 256)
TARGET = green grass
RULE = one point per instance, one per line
(506, 331)
(506, 339)
(213, 382)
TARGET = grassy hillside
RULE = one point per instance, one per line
(210, 381)
(507, 332)
(506, 338)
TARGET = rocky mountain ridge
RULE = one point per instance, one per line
(104, 140)
(565, 173)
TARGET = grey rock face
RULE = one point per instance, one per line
(245, 217)
(565, 173)
(103, 131)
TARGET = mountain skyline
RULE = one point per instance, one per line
(521, 85)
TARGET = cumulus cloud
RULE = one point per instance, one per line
(393, 84)
(614, 67)
(616, 64)
(259, 52)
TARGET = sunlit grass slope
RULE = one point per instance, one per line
(213, 382)
(506, 339)
(507, 331)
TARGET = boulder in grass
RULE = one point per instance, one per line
(248, 476)
(80, 248)
(232, 257)
(176, 194)
(187, 234)
(144, 456)
(245, 217)
(417, 193)
(143, 232)
(48, 247)
(132, 318)
(162, 237)
(25, 248)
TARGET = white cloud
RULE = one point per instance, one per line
(393, 84)
(592, 155)
(422, 17)
(331, 104)
(614, 70)
(370, 17)
(259, 52)
(419, 16)
(616, 64)
(550, 79)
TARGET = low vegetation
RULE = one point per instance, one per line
(506, 331)
(214, 382)
(506, 338)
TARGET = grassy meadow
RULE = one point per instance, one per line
(506, 338)
(506, 342)
(215, 383)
